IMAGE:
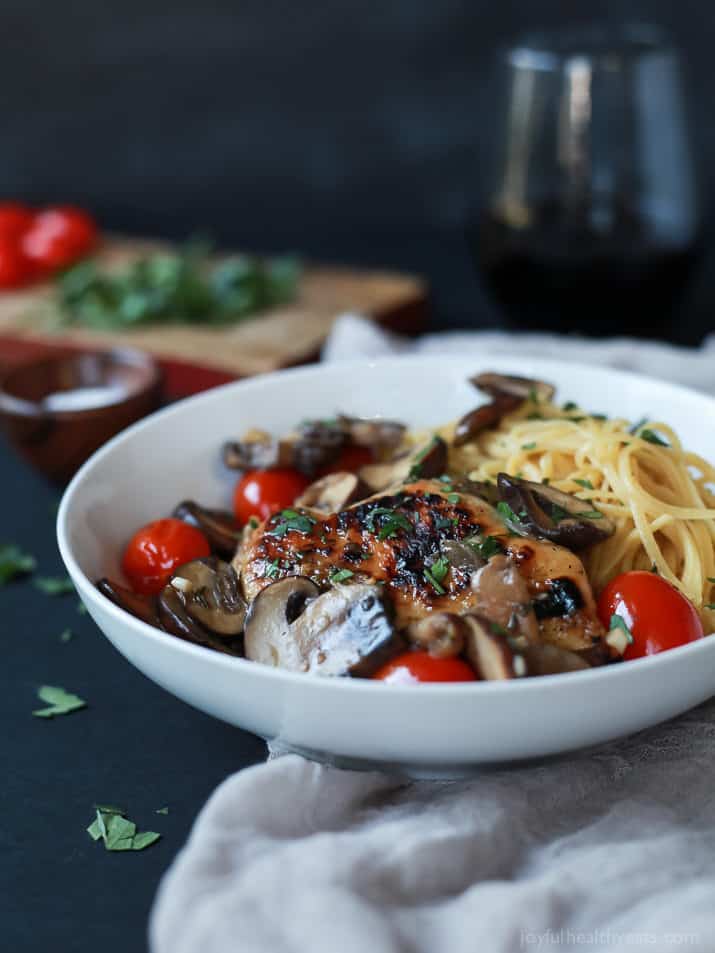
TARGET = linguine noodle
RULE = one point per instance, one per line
(661, 498)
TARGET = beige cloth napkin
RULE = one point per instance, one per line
(608, 849)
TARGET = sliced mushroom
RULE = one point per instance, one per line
(174, 619)
(380, 435)
(218, 526)
(552, 660)
(208, 589)
(442, 634)
(461, 555)
(268, 636)
(484, 417)
(425, 462)
(141, 606)
(257, 451)
(489, 651)
(333, 492)
(524, 388)
(345, 631)
(547, 513)
(503, 597)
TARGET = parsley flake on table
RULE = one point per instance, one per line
(14, 562)
(54, 585)
(66, 635)
(162, 810)
(59, 702)
(118, 832)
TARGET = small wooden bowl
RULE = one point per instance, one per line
(58, 410)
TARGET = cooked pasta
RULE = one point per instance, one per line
(660, 496)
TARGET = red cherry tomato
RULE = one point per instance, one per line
(157, 549)
(658, 616)
(260, 493)
(412, 668)
(351, 459)
(59, 236)
(15, 218)
(15, 269)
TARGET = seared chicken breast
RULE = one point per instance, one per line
(426, 544)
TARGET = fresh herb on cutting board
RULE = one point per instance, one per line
(181, 287)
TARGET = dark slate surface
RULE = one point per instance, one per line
(135, 746)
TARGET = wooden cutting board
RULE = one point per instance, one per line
(197, 357)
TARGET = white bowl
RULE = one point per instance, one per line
(422, 730)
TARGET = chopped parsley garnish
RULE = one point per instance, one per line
(577, 420)
(13, 562)
(529, 446)
(546, 481)
(340, 575)
(488, 547)
(453, 497)
(711, 579)
(292, 520)
(445, 478)
(590, 515)
(436, 573)
(558, 513)
(273, 569)
(600, 416)
(118, 833)
(533, 396)
(535, 415)
(59, 702)
(253, 522)
(709, 605)
(421, 456)
(618, 622)
(586, 484)
(393, 522)
(506, 512)
(443, 522)
(652, 437)
(499, 629)
(414, 473)
(54, 585)
(636, 427)
(570, 405)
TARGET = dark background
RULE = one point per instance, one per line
(349, 131)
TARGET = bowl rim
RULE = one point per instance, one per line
(88, 591)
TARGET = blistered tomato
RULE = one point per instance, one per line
(157, 549)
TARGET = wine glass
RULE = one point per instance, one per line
(593, 223)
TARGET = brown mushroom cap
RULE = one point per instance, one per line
(484, 417)
(523, 388)
(547, 513)
(424, 462)
(488, 651)
(344, 631)
(504, 598)
(333, 492)
(144, 607)
(208, 589)
(218, 526)
(174, 619)
(442, 634)
(551, 660)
